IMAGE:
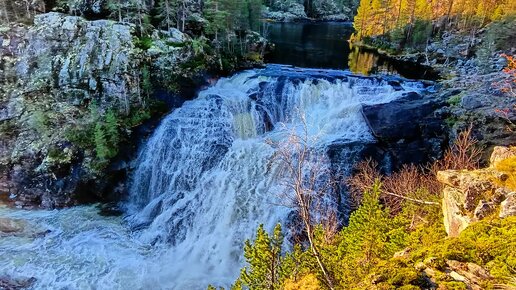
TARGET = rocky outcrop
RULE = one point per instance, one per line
(470, 196)
(64, 78)
(98, 58)
(408, 129)
(59, 67)
(325, 10)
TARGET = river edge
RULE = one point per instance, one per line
(472, 85)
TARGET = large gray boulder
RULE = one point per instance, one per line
(408, 128)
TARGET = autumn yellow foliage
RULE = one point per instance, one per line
(508, 167)
(308, 282)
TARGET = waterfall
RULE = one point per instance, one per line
(202, 184)
(204, 180)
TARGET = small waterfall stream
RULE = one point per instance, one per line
(202, 184)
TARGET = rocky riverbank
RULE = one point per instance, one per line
(471, 67)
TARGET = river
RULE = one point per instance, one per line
(325, 45)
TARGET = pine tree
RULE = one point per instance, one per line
(367, 232)
(101, 143)
(362, 19)
(111, 132)
(264, 261)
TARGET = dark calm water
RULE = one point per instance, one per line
(325, 45)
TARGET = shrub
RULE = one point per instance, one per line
(508, 166)
(40, 122)
(465, 153)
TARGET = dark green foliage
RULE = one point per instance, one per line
(501, 35)
(264, 261)
(146, 81)
(144, 42)
(103, 134)
(422, 33)
(40, 122)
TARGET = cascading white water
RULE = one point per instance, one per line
(202, 185)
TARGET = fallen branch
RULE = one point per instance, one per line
(413, 199)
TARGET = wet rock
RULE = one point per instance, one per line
(9, 283)
(508, 206)
(12, 226)
(402, 118)
(20, 228)
(408, 128)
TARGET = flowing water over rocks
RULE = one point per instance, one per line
(202, 185)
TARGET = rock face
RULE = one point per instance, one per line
(98, 58)
(408, 129)
(470, 196)
(327, 10)
(54, 81)
(73, 89)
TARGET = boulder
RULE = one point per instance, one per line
(403, 118)
(473, 185)
(500, 153)
(484, 209)
(473, 275)
(409, 128)
(472, 195)
(455, 221)
(508, 206)
(11, 226)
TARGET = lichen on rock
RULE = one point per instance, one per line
(472, 195)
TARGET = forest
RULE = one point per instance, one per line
(415, 22)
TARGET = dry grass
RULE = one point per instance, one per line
(464, 154)
(412, 183)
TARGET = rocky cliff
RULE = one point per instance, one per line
(73, 90)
